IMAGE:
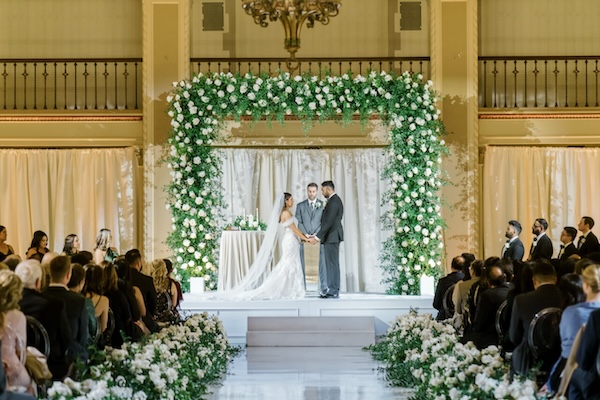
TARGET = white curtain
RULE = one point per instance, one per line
(61, 192)
(251, 177)
(525, 183)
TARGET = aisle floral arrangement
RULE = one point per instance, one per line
(424, 354)
(405, 104)
(179, 363)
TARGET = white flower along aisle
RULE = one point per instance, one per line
(405, 104)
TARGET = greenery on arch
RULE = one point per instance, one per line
(198, 109)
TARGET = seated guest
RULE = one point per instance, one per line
(60, 274)
(475, 292)
(461, 291)
(82, 257)
(50, 313)
(585, 383)
(93, 289)
(5, 394)
(75, 285)
(582, 264)
(546, 294)
(38, 246)
(146, 286)
(483, 333)
(571, 288)
(166, 295)
(102, 249)
(118, 304)
(5, 249)
(446, 282)
(12, 261)
(169, 265)
(575, 316)
(71, 246)
(14, 335)
(137, 330)
(566, 267)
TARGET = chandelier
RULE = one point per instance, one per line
(292, 14)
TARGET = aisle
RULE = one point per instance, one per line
(315, 373)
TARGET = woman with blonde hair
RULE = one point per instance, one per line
(102, 249)
(166, 294)
(573, 318)
(13, 330)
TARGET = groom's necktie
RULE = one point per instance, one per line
(312, 205)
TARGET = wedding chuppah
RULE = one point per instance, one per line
(407, 183)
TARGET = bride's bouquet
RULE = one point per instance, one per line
(248, 223)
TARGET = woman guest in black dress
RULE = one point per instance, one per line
(5, 249)
(72, 245)
(118, 304)
(38, 247)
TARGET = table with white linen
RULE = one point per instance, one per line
(236, 255)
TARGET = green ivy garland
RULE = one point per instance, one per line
(199, 107)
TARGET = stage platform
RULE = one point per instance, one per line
(234, 314)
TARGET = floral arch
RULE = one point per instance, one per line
(198, 109)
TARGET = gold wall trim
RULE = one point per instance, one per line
(540, 116)
(70, 119)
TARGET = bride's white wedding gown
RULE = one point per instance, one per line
(286, 280)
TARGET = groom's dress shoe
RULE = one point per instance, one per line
(323, 296)
(333, 296)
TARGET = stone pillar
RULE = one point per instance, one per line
(454, 53)
(166, 53)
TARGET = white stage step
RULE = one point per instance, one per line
(310, 331)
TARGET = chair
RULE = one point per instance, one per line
(543, 340)
(447, 302)
(570, 366)
(37, 336)
(110, 328)
(499, 322)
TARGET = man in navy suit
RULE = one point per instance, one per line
(330, 235)
(588, 242)
(308, 214)
(542, 245)
(513, 250)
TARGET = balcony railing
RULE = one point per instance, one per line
(70, 84)
(539, 82)
(314, 66)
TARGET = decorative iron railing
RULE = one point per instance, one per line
(539, 82)
(314, 66)
(71, 84)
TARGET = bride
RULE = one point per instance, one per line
(286, 280)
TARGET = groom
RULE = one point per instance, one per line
(308, 214)
(330, 235)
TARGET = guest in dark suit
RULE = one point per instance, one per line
(483, 332)
(50, 313)
(146, 285)
(585, 383)
(588, 242)
(330, 236)
(513, 250)
(546, 294)
(308, 214)
(60, 274)
(567, 248)
(444, 283)
(542, 245)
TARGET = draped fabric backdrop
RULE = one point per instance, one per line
(76, 191)
(251, 177)
(525, 183)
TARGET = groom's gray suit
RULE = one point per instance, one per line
(330, 235)
(309, 223)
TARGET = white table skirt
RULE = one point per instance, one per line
(237, 252)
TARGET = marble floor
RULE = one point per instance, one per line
(305, 373)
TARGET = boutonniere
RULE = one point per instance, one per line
(319, 204)
(582, 239)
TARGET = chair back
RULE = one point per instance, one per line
(447, 302)
(570, 366)
(110, 327)
(37, 336)
(499, 322)
(544, 333)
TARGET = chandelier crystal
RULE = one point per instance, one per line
(292, 14)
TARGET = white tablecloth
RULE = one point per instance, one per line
(237, 252)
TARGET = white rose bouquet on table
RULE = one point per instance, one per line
(248, 223)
